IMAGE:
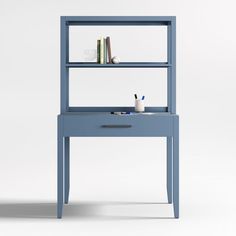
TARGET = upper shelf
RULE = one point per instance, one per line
(120, 65)
(118, 20)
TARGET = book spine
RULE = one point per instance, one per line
(108, 40)
(105, 51)
(102, 51)
(98, 51)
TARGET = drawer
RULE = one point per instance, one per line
(107, 125)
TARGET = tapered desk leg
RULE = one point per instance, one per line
(59, 170)
(176, 167)
(169, 175)
(67, 168)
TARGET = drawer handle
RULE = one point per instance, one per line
(116, 126)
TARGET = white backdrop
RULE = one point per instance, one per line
(110, 175)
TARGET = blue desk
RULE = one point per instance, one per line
(98, 122)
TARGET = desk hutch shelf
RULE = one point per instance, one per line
(99, 122)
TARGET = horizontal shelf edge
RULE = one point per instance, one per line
(118, 20)
(120, 65)
(114, 109)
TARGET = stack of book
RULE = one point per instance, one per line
(104, 50)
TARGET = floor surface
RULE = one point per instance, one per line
(118, 193)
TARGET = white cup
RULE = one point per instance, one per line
(139, 105)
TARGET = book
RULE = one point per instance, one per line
(105, 51)
(108, 42)
(98, 51)
(102, 51)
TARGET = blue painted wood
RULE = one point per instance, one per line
(169, 170)
(67, 169)
(60, 167)
(92, 125)
(176, 166)
(118, 20)
(120, 65)
(97, 121)
(171, 71)
(173, 62)
(64, 70)
(113, 109)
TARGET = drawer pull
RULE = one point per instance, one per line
(116, 126)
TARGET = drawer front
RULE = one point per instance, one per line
(117, 126)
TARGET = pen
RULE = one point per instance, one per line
(135, 95)
(143, 97)
(121, 113)
(125, 112)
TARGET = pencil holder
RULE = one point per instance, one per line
(139, 105)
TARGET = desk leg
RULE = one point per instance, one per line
(59, 170)
(67, 168)
(176, 167)
(169, 175)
